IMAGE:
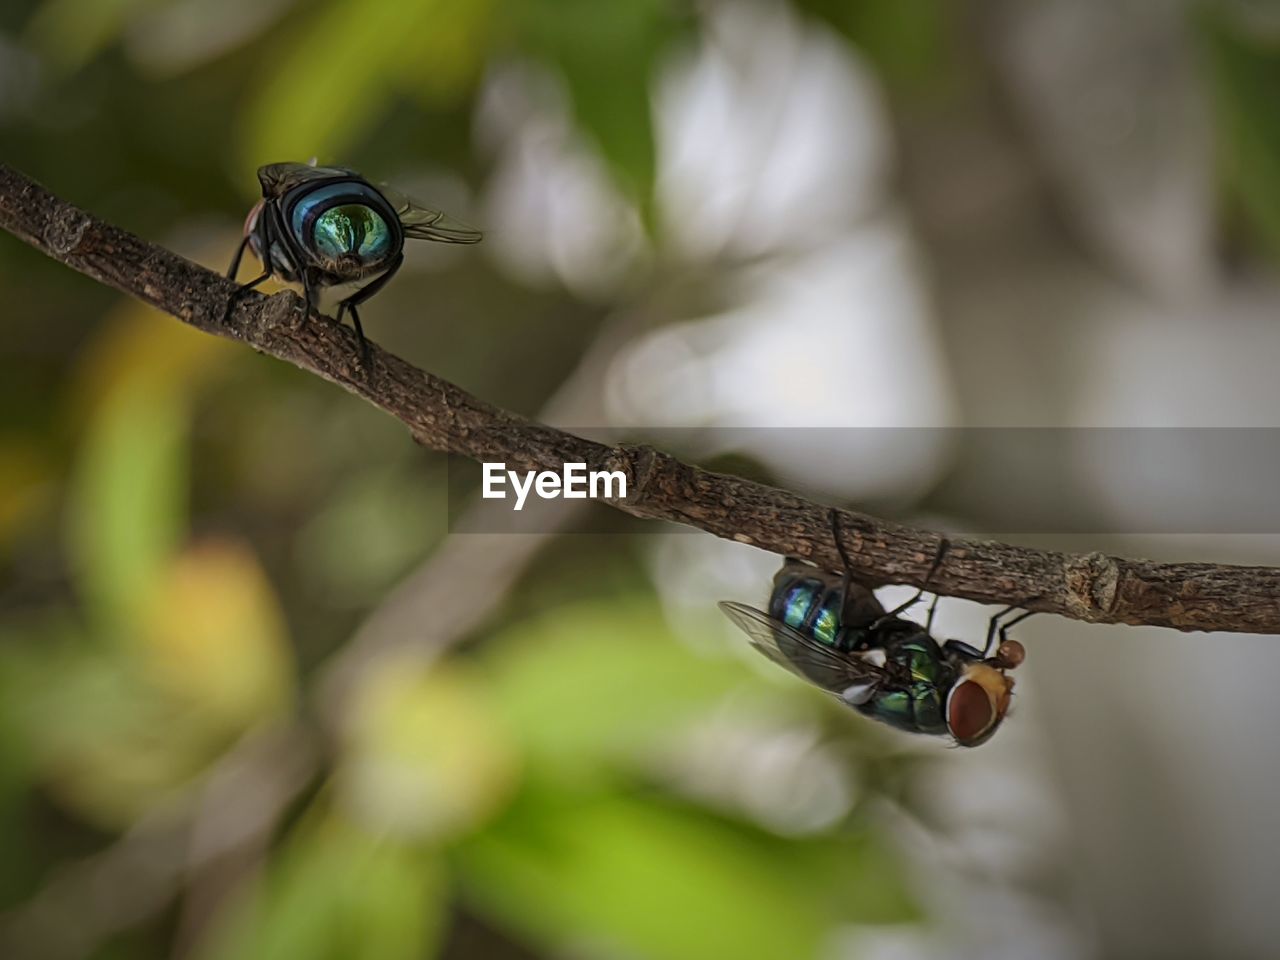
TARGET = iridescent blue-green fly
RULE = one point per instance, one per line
(831, 630)
(329, 227)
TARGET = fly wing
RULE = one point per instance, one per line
(276, 178)
(422, 223)
(832, 671)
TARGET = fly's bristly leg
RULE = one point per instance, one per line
(996, 629)
(933, 608)
(256, 281)
(364, 341)
(943, 545)
(235, 261)
(992, 626)
(360, 296)
(1005, 628)
(241, 290)
(308, 293)
(844, 558)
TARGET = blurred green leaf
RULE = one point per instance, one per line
(337, 893)
(609, 875)
(387, 516)
(107, 745)
(127, 506)
(129, 498)
(422, 754)
(1244, 72)
(71, 32)
(603, 680)
(607, 51)
(19, 765)
(331, 84)
(114, 730)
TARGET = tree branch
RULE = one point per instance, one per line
(439, 415)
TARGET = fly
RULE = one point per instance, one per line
(329, 226)
(832, 631)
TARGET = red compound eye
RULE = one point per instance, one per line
(970, 713)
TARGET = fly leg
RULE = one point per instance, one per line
(311, 284)
(240, 291)
(1001, 630)
(360, 296)
(235, 261)
(943, 545)
(933, 608)
(858, 606)
(844, 558)
(355, 322)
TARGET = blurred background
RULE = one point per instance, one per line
(258, 701)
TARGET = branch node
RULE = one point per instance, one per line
(65, 231)
(280, 313)
(1092, 582)
(640, 462)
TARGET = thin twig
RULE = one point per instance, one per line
(1092, 587)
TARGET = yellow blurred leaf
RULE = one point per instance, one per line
(423, 755)
(115, 730)
(329, 86)
(215, 638)
(139, 345)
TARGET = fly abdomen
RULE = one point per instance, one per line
(917, 709)
(809, 605)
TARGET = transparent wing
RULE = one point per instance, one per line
(423, 223)
(276, 178)
(832, 671)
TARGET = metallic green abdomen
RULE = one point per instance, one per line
(915, 706)
(810, 606)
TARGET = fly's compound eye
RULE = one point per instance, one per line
(970, 713)
(352, 230)
(977, 703)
